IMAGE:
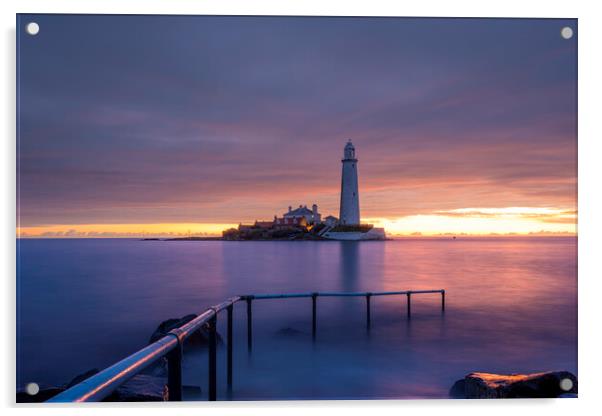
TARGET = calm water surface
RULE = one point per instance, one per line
(511, 306)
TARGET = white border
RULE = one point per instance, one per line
(590, 206)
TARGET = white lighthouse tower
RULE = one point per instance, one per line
(350, 206)
(350, 201)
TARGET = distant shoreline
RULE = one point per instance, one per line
(183, 239)
(217, 238)
(396, 238)
(304, 238)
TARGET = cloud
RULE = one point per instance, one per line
(227, 119)
(544, 214)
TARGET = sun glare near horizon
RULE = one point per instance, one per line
(483, 221)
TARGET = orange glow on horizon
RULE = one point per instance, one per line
(483, 221)
(464, 221)
(125, 230)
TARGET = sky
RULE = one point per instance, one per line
(177, 125)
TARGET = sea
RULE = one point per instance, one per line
(511, 307)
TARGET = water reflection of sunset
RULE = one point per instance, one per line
(511, 274)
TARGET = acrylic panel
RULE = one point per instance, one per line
(284, 208)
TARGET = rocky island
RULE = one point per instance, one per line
(303, 223)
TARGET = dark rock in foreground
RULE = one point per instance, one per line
(199, 338)
(48, 393)
(514, 386)
(81, 377)
(457, 390)
(42, 396)
(146, 388)
(141, 388)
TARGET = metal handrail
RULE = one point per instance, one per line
(102, 384)
(339, 294)
(105, 382)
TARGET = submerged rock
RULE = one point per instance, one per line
(505, 386)
(289, 332)
(192, 392)
(199, 338)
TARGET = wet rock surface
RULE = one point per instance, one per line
(198, 339)
(513, 386)
(42, 396)
(50, 392)
(81, 377)
(141, 388)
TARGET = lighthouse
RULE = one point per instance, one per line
(348, 228)
(350, 202)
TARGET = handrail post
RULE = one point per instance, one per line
(230, 313)
(314, 297)
(249, 324)
(212, 358)
(409, 304)
(368, 318)
(443, 300)
(174, 374)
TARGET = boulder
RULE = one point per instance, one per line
(50, 392)
(457, 390)
(157, 369)
(199, 338)
(81, 377)
(140, 388)
(145, 388)
(506, 386)
(192, 393)
(42, 396)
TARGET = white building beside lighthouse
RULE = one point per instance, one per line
(350, 199)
